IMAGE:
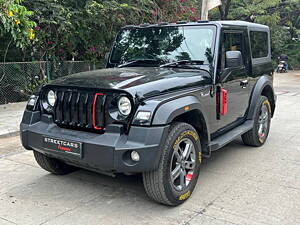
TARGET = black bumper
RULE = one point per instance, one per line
(108, 152)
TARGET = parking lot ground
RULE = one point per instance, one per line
(237, 185)
(10, 118)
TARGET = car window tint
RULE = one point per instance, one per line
(259, 44)
(232, 41)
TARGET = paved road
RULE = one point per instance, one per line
(238, 185)
(10, 118)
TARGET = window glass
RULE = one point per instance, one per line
(167, 44)
(232, 41)
(259, 44)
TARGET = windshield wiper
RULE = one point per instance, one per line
(184, 63)
(129, 63)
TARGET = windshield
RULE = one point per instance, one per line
(164, 44)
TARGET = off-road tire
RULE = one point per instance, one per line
(252, 138)
(52, 165)
(158, 184)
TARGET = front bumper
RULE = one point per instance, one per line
(106, 152)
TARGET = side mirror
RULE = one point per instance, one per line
(234, 59)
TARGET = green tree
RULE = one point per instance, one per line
(283, 17)
(15, 21)
(85, 30)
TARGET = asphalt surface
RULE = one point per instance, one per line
(237, 185)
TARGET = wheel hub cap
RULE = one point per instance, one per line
(263, 122)
(182, 164)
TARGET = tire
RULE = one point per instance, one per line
(159, 185)
(258, 135)
(52, 165)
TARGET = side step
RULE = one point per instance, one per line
(226, 138)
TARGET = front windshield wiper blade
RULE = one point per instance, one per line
(129, 63)
(186, 63)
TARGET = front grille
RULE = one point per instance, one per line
(76, 109)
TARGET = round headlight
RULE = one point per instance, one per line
(124, 106)
(51, 98)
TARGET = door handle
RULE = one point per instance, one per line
(244, 83)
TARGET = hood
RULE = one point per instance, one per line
(146, 81)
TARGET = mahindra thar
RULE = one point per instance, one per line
(170, 95)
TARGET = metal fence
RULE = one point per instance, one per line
(19, 80)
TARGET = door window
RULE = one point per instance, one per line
(259, 44)
(232, 41)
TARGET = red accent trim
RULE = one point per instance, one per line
(189, 176)
(224, 106)
(94, 111)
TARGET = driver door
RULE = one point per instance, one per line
(236, 84)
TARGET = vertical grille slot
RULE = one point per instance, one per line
(76, 109)
(98, 108)
(89, 116)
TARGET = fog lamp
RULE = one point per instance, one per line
(135, 156)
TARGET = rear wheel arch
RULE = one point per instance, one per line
(269, 93)
(263, 87)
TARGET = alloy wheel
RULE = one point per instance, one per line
(183, 164)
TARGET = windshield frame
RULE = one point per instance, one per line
(214, 39)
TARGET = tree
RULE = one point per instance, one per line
(224, 9)
(85, 30)
(15, 21)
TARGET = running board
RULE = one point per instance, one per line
(228, 137)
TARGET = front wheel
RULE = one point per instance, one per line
(258, 135)
(52, 165)
(176, 177)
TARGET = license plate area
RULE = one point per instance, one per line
(62, 145)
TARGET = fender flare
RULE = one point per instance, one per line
(263, 82)
(167, 112)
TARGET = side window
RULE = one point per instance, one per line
(232, 41)
(259, 44)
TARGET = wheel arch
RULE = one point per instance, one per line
(269, 93)
(199, 124)
(264, 86)
(188, 110)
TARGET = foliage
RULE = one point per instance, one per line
(15, 20)
(283, 17)
(85, 29)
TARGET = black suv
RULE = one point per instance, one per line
(170, 95)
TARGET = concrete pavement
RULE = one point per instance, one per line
(10, 118)
(238, 185)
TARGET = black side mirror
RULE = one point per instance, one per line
(234, 59)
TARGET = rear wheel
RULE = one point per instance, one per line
(258, 135)
(52, 165)
(175, 179)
